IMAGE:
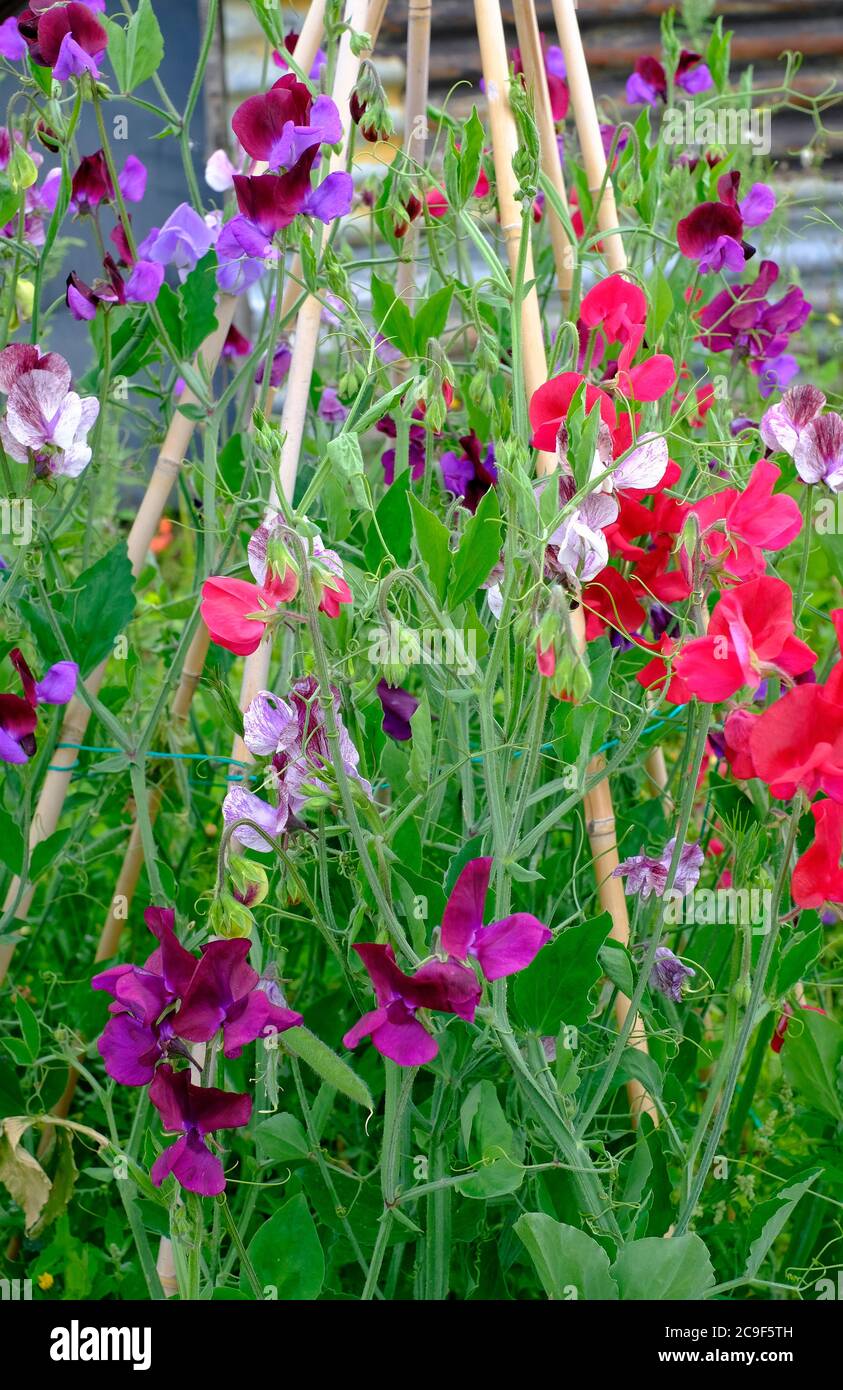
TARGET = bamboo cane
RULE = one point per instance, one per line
(532, 58)
(599, 816)
(415, 124)
(167, 467)
(588, 130)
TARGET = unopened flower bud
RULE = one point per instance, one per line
(249, 881)
(229, 918)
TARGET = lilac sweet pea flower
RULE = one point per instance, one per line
(243, 251)
(18, 717)
(398, 706)
(281, 359)
(330, 407)
(669, 974)
(396, 1032)
(646, 875)
(182, 241)
(12, 43)
(195, 1111)
(783, 424)
(223, 994)
(578, 549)
(503, 947)
(241, 804)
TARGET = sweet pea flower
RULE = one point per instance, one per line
(219, 172)
(272, 201)
(744, 321)
(737, 527)
(398, 707)
(645, 875)
(238, 613)
(318, 65)
(195, 1111)
(241, 804)
(243, 252)
(325, 567)
(12, 43)
(668, 974)
(500, 949)
(45, 423)
(692, 74)
(331, 408)
(750, 635)
(783, 424)
(817, 875)
(67, 38)
(396, 1032)
(280, 125)
(818, 454)
(797, 743)
(647, 84)
(140, 1032)
(18, 717)
(91, 183)
(182, 241)
(223, 995)
(469, 475)
(293, 733)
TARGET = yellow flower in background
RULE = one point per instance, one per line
(45, 1282)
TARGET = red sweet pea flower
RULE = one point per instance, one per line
(658, 673)
(750, 635)
(237, 613)
(737, 526)
(737, 733)
(798, 743)
(609, 601)
(549, 406)
(617, 306)
(818, 877)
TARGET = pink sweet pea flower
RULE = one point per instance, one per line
(817, 876)
(396, 1032)
(738, 526)
(750, 636)
(237, 613)
(503, 947)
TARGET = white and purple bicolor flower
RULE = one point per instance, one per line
(46, 422)
(646, 875)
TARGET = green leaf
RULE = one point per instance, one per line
(345, 453)
(491, 1142)
(393, 525)
(392, 316)
(616, 962)
(11, 843)
(198, 296)
(170, 308)
(479, 550)
(286, 1255)
(661, 303)
(798, 955)
(135, 49)
(431, 318)
(46, 851)
(771, 1217)
(29, 1026)
(331, 1068)
(555, 988)
(421, 752)
(95, 609)
(462, 161)
(282, 1139)
(569, 1262)
(811, 1057)
(432, 542)
(674, 1270)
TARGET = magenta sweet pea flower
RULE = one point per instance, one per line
(223, 994)
(195, 1111)
(18, 717)
(745, 321)
(503, 947)
(281, 124)
(140, 1031)
(647, 84)
(692, 74)
(318, 65)
(272, 201)
(396, 1032)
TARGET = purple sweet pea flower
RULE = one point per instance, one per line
(12, 43)
(140, 1032)
(241, 804)
(775, 374)
(280, 125)
(195, 1111)
(18, 718)
(503, 947)
(281, 359)
(242, 253)
(67, 38)
(470, 475)
(647, 84)
(182, 241)
(743, 319)
(223, 994)
(646, 875)
(398, 706)
(272, 201)
(144, 282)
(444, 987)
(758, 205)
(782, 425)
(669, 974)
(330, 407)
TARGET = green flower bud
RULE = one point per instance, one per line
(249, 881)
